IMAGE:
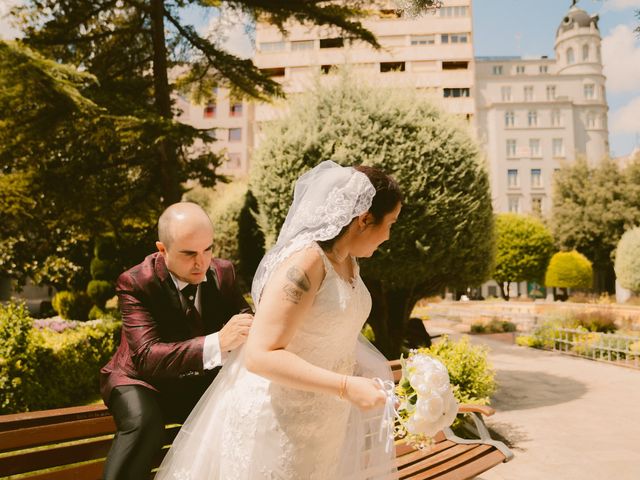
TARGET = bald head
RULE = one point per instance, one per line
(183, 218)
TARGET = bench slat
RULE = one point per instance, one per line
(441, 465)
(68, 454)
(46, 434)
(89, 471)
(49, 417)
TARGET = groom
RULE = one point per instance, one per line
(182, 313)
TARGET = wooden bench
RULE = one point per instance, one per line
(452, 457)
(74, 441)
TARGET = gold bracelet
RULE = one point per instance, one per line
(343, 387)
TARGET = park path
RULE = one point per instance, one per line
(565, 418)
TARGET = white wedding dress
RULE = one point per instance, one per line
(246, 427)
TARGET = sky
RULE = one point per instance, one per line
(517, 28)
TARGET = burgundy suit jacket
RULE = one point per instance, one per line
(159, 348)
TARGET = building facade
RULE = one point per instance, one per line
(230, 121)
(433, 53)
(534, 114)
(530, 115)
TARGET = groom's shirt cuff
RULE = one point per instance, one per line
(212, 356)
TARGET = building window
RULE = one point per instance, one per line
(528, 94)
(556, 118)
(532, 118)
(585, 53)
(455, 65)
(544, 69)
(270, 47)
(589, 91)
(514, 204)
(520, 69)
(497, 69)
(454, 38)
(332, 42)
(511, 148)
(212, 133)
(512, 178)
(506, 94)
(273, 72)
(570, 56)
(558, 147)
(392, 67)
(302, 45)
(591, 120)
(536, 178)
(233, 161)
(235, 134)
(536, 204)
(509, 119)
(209, 110)
(551, 92)
(235, 109)
(534, 147)
(456, 92)
(423, 39)
(326, 69)
(454, 11)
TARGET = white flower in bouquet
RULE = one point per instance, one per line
(426, 400)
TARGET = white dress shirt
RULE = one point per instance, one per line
(211, 355)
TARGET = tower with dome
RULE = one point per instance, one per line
(533, 114)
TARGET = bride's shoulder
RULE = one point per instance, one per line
(309, 260)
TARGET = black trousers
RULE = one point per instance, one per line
(140, 421)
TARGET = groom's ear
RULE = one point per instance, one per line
(161, 248)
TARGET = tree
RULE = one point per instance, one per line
(523, 248)
(130, 47)
(444, 236)
(591, 210)
(627, 264)
(70, 172)
(569, 270)
(113, 164)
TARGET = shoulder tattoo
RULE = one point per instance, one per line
(298, 283)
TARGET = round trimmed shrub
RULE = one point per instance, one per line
(627, 265)
(72, 305)
(569, 270)
(99, 291)
(103, 269)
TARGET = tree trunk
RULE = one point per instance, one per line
(389, 316)
(504, 291)
(604, 278)
(167, 151)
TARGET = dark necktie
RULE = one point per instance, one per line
(191, 311)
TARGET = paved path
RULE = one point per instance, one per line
(565, 418)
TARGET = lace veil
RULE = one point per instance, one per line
(325, 199)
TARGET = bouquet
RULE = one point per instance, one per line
(424, 400)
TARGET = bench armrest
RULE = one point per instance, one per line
(485, 410)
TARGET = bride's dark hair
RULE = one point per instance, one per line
(387, 197)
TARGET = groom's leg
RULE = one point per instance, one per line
(140, 433)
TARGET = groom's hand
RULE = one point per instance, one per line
(235, 332)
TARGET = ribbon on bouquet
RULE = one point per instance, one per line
(389, 414)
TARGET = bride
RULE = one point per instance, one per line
(299, 401)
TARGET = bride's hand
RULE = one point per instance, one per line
(364, 393)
